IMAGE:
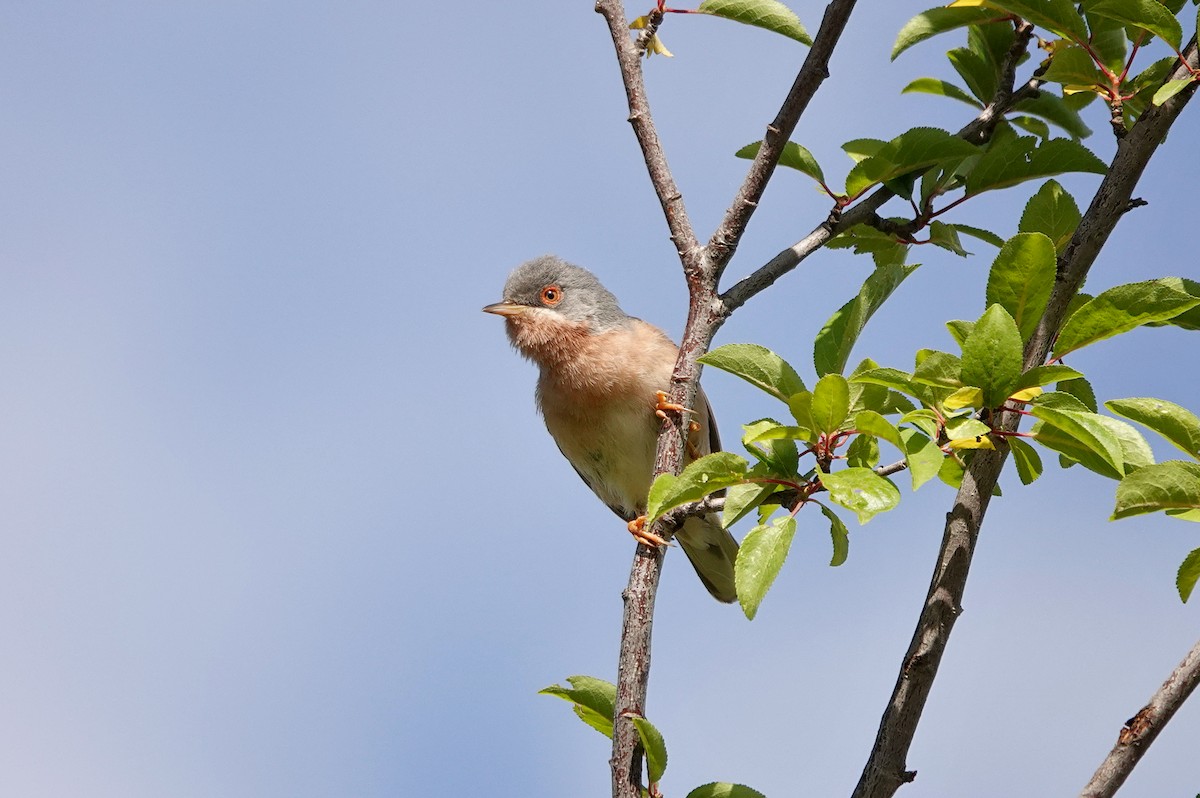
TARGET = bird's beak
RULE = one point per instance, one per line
(507, 309)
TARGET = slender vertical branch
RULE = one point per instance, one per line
(886, 768)
(1141, 730)
(812, 74)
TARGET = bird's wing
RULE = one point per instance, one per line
(624, 516)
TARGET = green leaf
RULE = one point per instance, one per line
(830, 403)
(941, 88)
(1189, 572)
(1188, 319)
(1177, 424)
(861, 491)
(768, 14)
(959, 330)
(938, 368)
(1072, 66)
(1082, 390)
(1055, 110)
(1170, 89)
(935, 21)
(654, 746)
(701, 477)
(923, 456)
(793, 156)
(758, 366)
(1053, 212)
(1173, 485)
(839, 533)
(946, 236)
(724, 790)
(863, 452)
(741, 499)
(911, 151)
(868, 422)
(981, 234)
(1058, 16)
(992, 355)
(889, 378)
(1031, 124)
(1027, 460)
(978, 72)
(951, 472)
(1119, 310)
(594, 701)
(1044, 375)
(831, 349)
(1147, 15)
(759, 560)
(1017, 160)
(1021, 278)
(861, 149)
(1080, 436)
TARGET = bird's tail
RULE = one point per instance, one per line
(712, 551)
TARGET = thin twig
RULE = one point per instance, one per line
(1140, 730)
(812, 74)
(886, 768)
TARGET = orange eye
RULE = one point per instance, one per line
(551, 295)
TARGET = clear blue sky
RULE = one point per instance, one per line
(279, 518)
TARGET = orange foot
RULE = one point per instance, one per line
(661, 406)
(637, 528)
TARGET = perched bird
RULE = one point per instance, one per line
(600, 391)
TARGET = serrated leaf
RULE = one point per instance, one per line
(767, 14)
(1189, 572)
(861, 491)
(978, 72)
(1052, 212)
(889, 378)
(1058, 16)
(1021, 278)
(654, 746)
(1080, 436)
(959, 330)
(758, 366)
(868, 422)
(1082, 390)
(941, 88)
(923, 456)
(951, 471)
(1031, 124)
(1015, 161)
(992, 355)
(941, 369)
(911, 151)
(1027, 460)
(794, 156)
(831, 349)
(937, 20)
(724, 790)
(1188, 319)
(839, 534)
(1177, 424)
(701, 477)
(1119, 310)
(592, 699)
(759, 561)
(830, 403)
(946, 236)
(1147, 15)
(1173, 485)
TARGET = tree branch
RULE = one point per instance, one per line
(706, 313)
(812, 74)
(885, 770)
(978, 131)
(1141, 730)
